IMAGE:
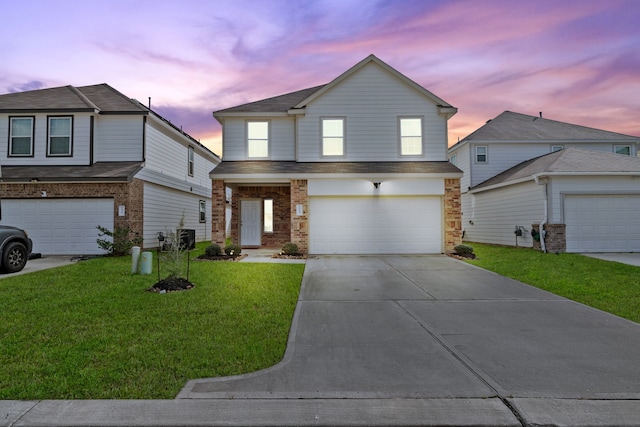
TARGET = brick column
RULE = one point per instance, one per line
(555, 239)
(452, 214)
(218, 212)
(300, 223)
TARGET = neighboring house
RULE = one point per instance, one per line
(74, 158)
(356, 166)
(581, 184)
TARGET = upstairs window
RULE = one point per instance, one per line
(454, 159)
(622, 149)
(21, 136)
(410, 136)
(191, 161)
(481, 154)
(258, 139)
(59, 136)
(333, 137)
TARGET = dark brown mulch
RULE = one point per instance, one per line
(462, 256)
(292, 256)
(222, 257)
(171, 284)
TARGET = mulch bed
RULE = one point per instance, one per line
(222, 257)
(292, 256)
(171, 284)
(462, 256)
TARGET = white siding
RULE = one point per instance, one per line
(163, 209)
(497, 212)
(118, 138)
(167, 160)
(371, 100)
(281, 138)
(80, 149)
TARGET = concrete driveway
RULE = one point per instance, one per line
(417, 340)
(433, 333)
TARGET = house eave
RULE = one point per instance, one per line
(286, 178)
(502, 184)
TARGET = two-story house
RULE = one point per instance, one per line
(355, 166)
(74, 158)
(580, 183)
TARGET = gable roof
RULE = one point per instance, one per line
(516, 127)
(100, 98)
(570, 161)
(283, 104)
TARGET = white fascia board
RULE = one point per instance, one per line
(502, 184)
(258, 178)
(252, 114)
(586, 174)
(297, 111)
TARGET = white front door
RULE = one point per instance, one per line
(250, 214)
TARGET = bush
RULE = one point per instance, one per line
(213, 250)
(233, 250)
(290, 249)
(463, 250)
(119, 243)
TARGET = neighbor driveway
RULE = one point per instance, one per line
(431, 330)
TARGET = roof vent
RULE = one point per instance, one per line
(540, 114)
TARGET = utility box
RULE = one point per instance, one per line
(188, 239)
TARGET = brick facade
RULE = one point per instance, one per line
(300, 223)
(128, 194)
(452, 214)
(218, 212)
(281, 213)
(555, 239)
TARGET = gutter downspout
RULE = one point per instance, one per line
(546, 207)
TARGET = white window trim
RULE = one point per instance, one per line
(268, 140)
(191, 161)
(11, 136)
(202, 211)
(617, 147)
(486, 154)
(400, 136)
(344, 138)
(69, 153)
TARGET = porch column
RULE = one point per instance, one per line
(300, 223)
(452, 214)
(218, 212)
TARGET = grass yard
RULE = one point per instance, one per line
(91, 331)
(606, 285)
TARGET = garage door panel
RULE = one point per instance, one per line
(60, 226)
(375, 225)
(602, 223)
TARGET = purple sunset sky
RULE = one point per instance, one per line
(575, 60)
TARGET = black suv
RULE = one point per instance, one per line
(15, 248)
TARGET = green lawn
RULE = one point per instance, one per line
(91, 331)
(609, 286)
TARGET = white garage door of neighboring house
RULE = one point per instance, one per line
(602, 223)
(60, 226)
(370, 225)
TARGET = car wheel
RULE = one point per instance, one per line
(15, 257)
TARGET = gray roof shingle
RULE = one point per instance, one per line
(569, 160)
(510, 126)
(276, 104)
(101, 171)
(290, 168)
(100, 97)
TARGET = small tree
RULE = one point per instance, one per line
(119, 242)
(173, 256)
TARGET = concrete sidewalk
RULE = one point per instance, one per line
(424, 340)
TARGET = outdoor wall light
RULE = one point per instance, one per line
(376, 185)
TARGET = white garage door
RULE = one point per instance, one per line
(60, 226)
(370, 225)
(602, 223)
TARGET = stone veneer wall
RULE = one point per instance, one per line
(281, 213)
(129, 194)
(300, 223)
(452, 214)
(555, 239)
(218, 212)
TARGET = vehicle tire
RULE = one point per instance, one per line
(14, 257)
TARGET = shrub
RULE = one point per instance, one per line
(120, 242)
(233, 250)
(290, 249)
(213, 250)
(463, 249)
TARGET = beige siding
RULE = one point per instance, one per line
(497, 212)
(371, 100)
